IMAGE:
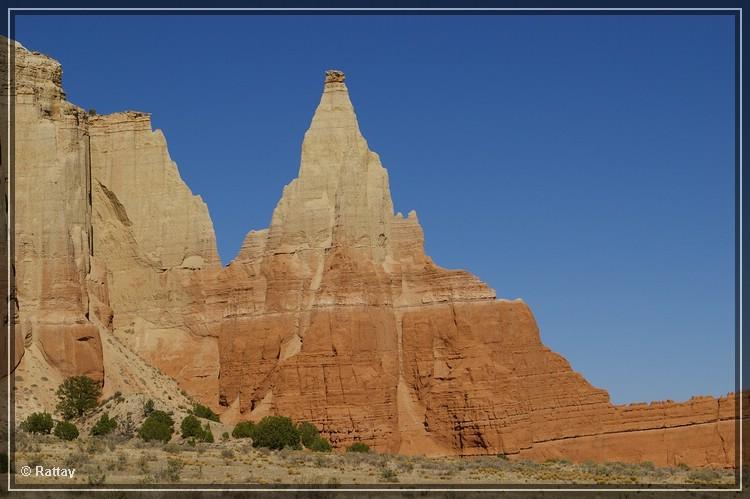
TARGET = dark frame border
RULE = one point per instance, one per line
(303, 7)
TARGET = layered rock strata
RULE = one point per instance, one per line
(333, 314)
(58, 280)
(108, 240)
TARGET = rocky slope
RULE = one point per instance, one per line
(333, 314)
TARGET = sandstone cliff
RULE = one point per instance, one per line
(333, 314)
(60, 311)
(85, 270)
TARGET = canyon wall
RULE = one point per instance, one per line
(58, 281)
(109, 243)
(332, 314)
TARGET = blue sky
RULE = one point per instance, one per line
(582, 163)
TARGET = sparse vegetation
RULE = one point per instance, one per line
(308, 433)
(191, 427)
(703, 476)
(208, 436)
(38, 422)
(158, 426)
(104, 426)
(238, 462)
(243, 429)
(276, 432)
(358, 447)
(320, 444)
(148, 408)
(77, 396)
(201, 411)
(66, 430)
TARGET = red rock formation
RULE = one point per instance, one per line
(333, 314)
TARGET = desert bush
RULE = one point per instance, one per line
(76, 459)
(648, 466)
(66, 431)
(173, 471)
(77, 396)
(703, 475)
(148, 407)
(158, 426)
(122, 461)
(225, 436)
(243, 429)
(308, 433)
(171, 448)
(208, 436)
(320, 444)
(97, 477)
(191, 427)
(388, 474)
(38, 422)
(227, 454)
(104, 426)
(127, 427)
(201, 411)
(276, 432)
(358, 447)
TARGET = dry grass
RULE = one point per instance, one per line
(132, 462)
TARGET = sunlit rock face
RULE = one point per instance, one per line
(59, 307)
(332, 314)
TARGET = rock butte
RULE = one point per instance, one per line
(333, 314)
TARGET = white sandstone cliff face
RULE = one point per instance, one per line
(58, 284)
(109, 244)
(159, 242)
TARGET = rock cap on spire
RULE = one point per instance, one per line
(335, 76)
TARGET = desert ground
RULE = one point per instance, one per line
(115, 461)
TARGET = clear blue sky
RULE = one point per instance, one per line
(585, 164)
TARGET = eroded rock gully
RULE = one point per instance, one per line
(333, 314)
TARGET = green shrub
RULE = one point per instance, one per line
(358, 447)
(201, 411)
(225, 436)
(38, 422)
(191, 427)
(104, 426)
(148, 408)
(207, 435)
(244, 429)
(158, 426)
(77, 396)
(308, 433)
(276, 432)
(66, 431)
(320, 445)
